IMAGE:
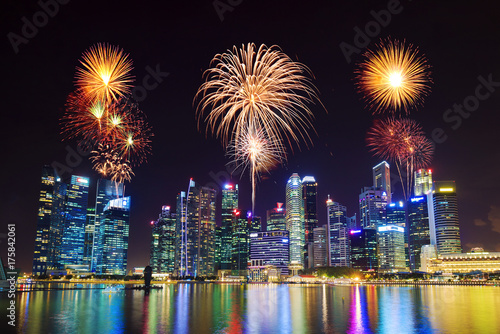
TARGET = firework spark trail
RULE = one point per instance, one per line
(258, 152)
(262, 88)
(402, 141)
(82, 118)
(393, 77)
(105, 73)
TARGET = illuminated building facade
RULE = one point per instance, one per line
(338, 238)
(382, 179)
(320, 247)
(418, 229)
(396, 215)
(309, 195)
(391, 249)
(50, 222)
(464, 263)
(295, 219)
(423, 182)
(272, 247)
(89, 237)
(225, 235)
(364, 255)
(276, 218)
(372, 207)
(239, 244)
(73, 239)
(443, 217)
(113, 237)
(162, 254)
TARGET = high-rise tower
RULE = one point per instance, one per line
(295, 219)
(423, 182)
(382, 178)
(337, 232)
(162, 253)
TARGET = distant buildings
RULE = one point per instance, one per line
(295, 219)
(443, 217)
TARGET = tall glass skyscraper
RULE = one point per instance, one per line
(276, 218)
(372, 207)
(338, 238)
(73, 239)
(443, 217)
(50, 222)
(225, 235)
(295, 219)
(89, 237)
(195, 231)
(396, 215)
(310, 194)
(320, 249)
(418, 229)
(364, 249)
(240, 243)
(391, 249)
(423, 182)
(162, 255)
(106, 191)
(113, 237)
(382, 178)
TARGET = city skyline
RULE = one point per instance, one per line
(338, 159)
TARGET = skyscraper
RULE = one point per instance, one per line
(382, 178)
(320, 249)
(443, 217)
(310, 194)
(364, 255)
(391, 250)
(396, 215)
(106, 191)
(225, 235)
(418, 229)
(337, 231)
(295, 219)
(89, 237)
(423, 182)
(372, 204)
(195, 231)
(113, 237)
(73, 239)
(240, 244)
(162, 254)
(276, 218)
(50, 222)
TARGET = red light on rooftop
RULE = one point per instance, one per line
(152, 222)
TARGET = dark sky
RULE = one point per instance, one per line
(460, 39)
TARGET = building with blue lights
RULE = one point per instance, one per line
(418, 229)
(162, 253)
(382, 178)
(276, 218)
(113, 237)
(73, 239)
(337, 232)
(272, 247)
(391, 249)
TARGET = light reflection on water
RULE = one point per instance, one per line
(259, 308)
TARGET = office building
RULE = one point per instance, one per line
(364, 255)
(418, 229)
(423, 182)
(113, 237)
(382, 179)
(224, 232)
(295, 219)
(73, 239)
(396, 215)
(272, 248)
(443, 217)
(372, 207)
(240, 244)
(195, 231)
(337, 231)
(320, 247)
(162, 253)
(391, 249)
(50, 222)
(276, 218)
(89, 237)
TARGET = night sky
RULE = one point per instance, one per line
(460, 39)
